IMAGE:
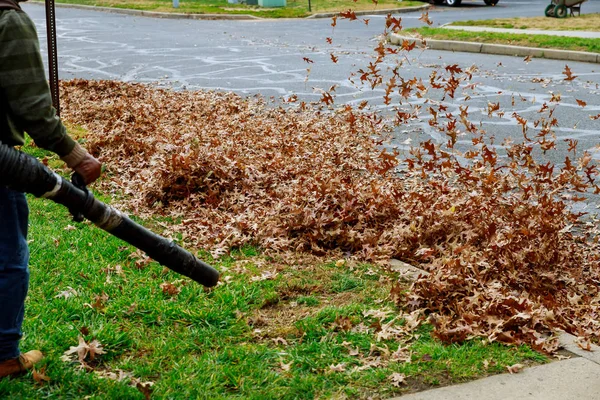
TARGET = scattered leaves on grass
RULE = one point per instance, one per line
(40, 376)
(125, 376)
(265, 276)
(285, 367)
(117, 375)
(338, 367)
(141, 260)
(117, 269)
(342, 324)
(66, 294)
(397, 379)
(85, 351)
(280, 340)
(144, 387)
(170, 289)
(99, 303)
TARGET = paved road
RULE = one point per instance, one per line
(267, 57)
(476, 9)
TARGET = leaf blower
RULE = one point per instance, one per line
(24, 173)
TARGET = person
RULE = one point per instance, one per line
(25, 107)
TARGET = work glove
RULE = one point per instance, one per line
(82, 162)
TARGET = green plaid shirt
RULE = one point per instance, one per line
(25, 100)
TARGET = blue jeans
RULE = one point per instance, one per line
(14, 272)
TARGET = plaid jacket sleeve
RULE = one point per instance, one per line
(24, 85)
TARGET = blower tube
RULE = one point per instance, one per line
(24, 173)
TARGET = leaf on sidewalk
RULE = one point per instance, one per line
(516, 368)
(584, 343)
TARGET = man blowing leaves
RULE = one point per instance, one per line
(25, 106)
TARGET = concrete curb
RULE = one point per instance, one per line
(153, 14)
(212, 17)
(500, 49)
(376, 12)
(573, 34)
(569, 343)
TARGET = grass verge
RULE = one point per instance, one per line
(540, 41)
(293, 8)
(585, 22)
(295, 328)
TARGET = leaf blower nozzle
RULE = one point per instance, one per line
(25, 173)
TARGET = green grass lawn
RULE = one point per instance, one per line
(541, 41)
(585, 22)
(273, 329)
(293, 9)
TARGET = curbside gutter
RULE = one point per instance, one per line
(240, 17)
(500, 49)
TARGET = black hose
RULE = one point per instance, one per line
(24, 173)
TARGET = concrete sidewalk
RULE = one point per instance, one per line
(581, 34)
(576, 378)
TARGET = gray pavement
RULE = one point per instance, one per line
(476, 9)
(266, 57)
(573, 379)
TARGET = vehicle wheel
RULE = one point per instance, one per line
(560, 11)
(453, 3)
(549, 10)
(491, 2)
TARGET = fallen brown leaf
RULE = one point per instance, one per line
(516, 368)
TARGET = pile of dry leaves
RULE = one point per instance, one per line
(236, 171)
(508, 259)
